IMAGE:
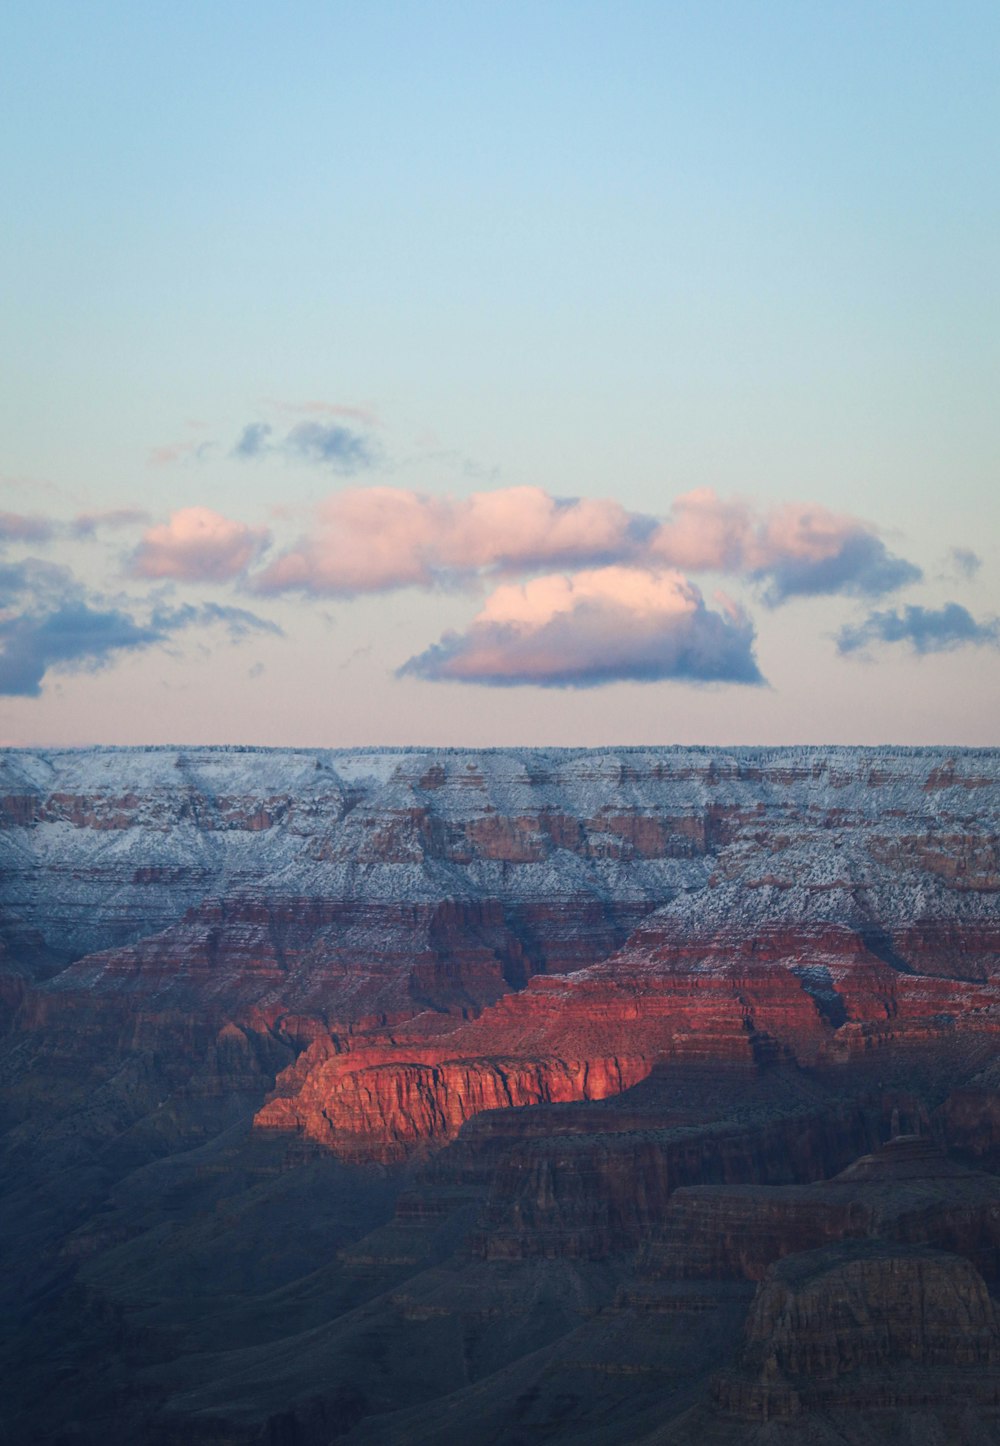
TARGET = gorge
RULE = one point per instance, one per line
(610, 1096)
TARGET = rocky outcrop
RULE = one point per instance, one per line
(386, 1110)
(842, 1326)
(908, 1192)
(798, 997)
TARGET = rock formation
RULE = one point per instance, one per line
(612, 1096)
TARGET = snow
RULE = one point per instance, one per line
(125, 840)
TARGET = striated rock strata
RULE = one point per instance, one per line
(622, 1097)
(842, 1326)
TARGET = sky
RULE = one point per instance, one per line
(486, 374)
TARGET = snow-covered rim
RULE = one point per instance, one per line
(702, 750)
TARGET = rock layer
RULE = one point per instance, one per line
(453, 932)
(426, 1097)
(841, 1326)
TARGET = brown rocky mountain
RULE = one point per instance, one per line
(630, 1096)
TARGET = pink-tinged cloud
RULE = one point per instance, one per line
(606, 625)
(198, 545)
(798, 549)
(377, 538)
(704, 533)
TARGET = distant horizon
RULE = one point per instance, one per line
(458, 749)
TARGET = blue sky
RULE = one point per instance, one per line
(622, 253)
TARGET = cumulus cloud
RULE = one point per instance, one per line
(601, 626)
(198, 545)
(49, 623)
(857, 565)
(377, 538)
(704, 533)
(796, 550)
(926, 630)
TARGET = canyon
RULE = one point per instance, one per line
(392, 1096)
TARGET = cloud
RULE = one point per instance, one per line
(796, 550)
(378, 538)
(88, 524)
(330, 444)
(253, 440)
(73, 635)
(198, 545)
(858, 564)
(927, 630)
(608, 625)
(46, 583)
(47, 622)
(705, 534)
(17, 527)
(965, 562)
(238, 622)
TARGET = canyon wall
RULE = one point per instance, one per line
(487, 1070)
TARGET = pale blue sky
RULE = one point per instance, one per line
(616, 251)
